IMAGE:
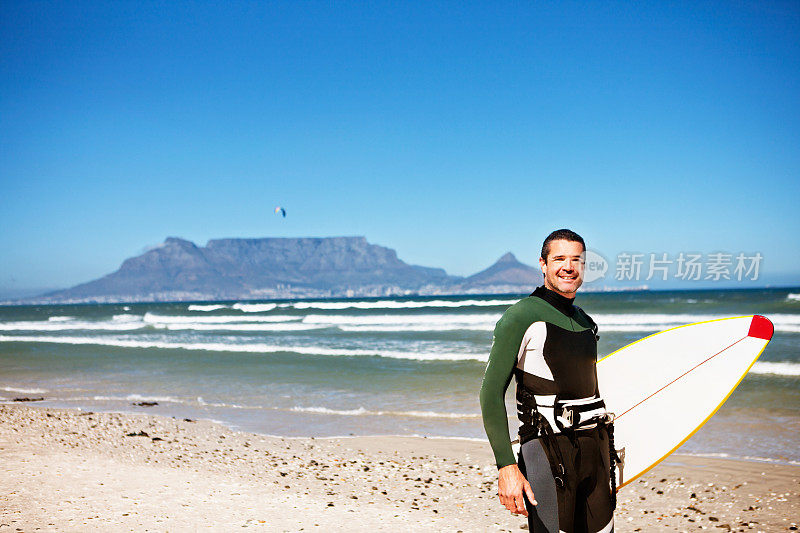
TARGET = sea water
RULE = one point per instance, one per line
(382, 366)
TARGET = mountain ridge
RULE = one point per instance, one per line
(283, 267)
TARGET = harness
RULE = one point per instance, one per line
(569, 416)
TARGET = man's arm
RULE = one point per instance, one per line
(499, 369)
(508, 335)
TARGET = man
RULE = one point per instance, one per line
(561, 479)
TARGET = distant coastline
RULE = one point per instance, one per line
(299, 268)
(404, 296)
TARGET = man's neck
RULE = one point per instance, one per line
(557, 300)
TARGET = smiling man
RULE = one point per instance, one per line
(561, 478)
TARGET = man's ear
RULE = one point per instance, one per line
(543, 265)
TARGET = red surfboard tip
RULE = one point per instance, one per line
(761, 328)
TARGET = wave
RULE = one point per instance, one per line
(398, 304)
(69, 325)
(254, 308)
(420, 328)
(148, 398)
(361, 411)
(277, 323)
(365, 412)
(201, 401)
(152, 318)
(139, 398)
(60, 318)
(24, 391)
(485, 322)
(126, 318)
(783, 368)
(378, 323)
(248, 348)
(793, 297)
(286, 326)
(350, 323)
(206, 307)
(435, 322)
(400, 319)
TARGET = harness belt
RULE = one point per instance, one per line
(583, 413)
(569, 416)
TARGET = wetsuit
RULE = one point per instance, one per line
(550, 347)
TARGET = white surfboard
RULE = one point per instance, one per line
(664, 387)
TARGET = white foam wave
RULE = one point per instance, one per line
(254, 308)
(793, 296)
(206, 307)
(152, 318)
(60, 318)
(286, 326)
(395, 304)
(201, 401)
(138, 398)
(126, 318)
(250, 348)
(351, 323)
(485, 322)
(69, 325)
(401, 319)
(608, 323)
(25, 391)
(636, 319)
(399, 323)
(778, 368)
(432, 327)
(364, 412)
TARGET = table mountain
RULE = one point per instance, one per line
(257, 268)
(229, 269)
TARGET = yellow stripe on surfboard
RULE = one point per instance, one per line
(672, 329)
(766, 342)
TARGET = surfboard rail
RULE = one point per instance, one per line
(654, 349)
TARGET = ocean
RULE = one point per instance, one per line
(378, 366)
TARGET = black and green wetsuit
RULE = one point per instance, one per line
(550, 347)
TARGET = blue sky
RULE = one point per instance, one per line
(450, 132)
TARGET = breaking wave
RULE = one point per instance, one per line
(247, 347)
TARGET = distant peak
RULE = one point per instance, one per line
(508, 258)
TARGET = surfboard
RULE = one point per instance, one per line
(664, 387)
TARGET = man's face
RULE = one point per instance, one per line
(563, 270)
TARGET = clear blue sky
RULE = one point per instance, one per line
(450, 132)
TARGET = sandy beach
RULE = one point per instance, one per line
(71, 470)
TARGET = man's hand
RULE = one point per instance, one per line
(510, 487)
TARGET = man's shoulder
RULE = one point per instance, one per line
(529, 309)
(534, 309)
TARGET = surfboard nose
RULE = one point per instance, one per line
(761, 328)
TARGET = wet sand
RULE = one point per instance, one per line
(70, 470)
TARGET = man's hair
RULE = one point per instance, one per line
(561, 234)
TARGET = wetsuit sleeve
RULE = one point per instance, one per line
(505, 347)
